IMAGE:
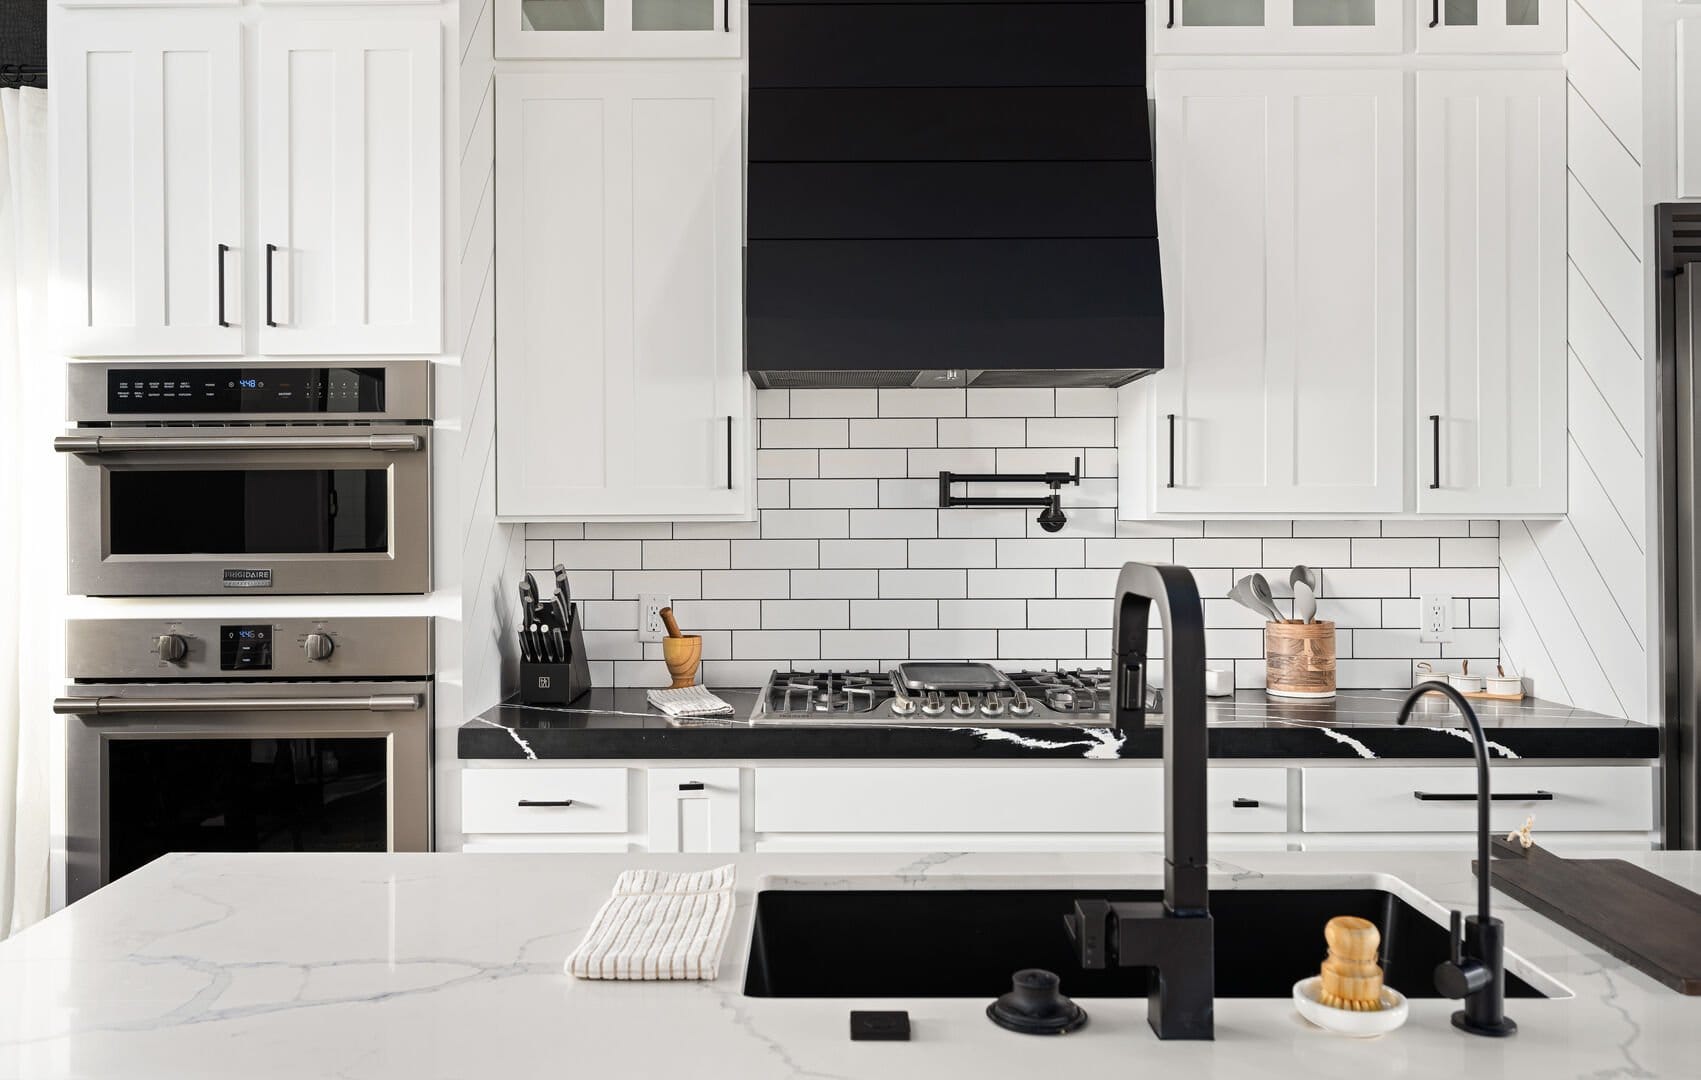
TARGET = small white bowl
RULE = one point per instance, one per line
(1507, 685)
(1466, 684)
(1357, 1025)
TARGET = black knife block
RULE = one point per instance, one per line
(558, 683)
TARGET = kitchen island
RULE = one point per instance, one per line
(421, 966)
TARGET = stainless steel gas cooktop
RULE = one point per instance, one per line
(946, 694)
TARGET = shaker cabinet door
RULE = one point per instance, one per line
(620, 383)
(1491, 324)
(1280, 205)
(149, 158)
(350, 255)
(1278, 26)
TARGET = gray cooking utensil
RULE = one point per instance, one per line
(1304, 601)
(1306, 574)
(1246, 595)
(1261, 590)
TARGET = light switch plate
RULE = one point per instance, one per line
(1435, 619)
(650, 626)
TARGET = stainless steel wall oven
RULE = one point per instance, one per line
(244, 735)
(201, 479)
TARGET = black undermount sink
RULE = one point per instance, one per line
(966, 943)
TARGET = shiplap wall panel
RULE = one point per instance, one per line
(1573, 601)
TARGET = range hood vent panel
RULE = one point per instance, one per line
(950, 186)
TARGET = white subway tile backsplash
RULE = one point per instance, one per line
(944, 554)
(896, 614)
(688, 554)
(852, 563)
(1012, 401)
(1023, 583)
(922, 402)
(857, 464)
(796, 524)
(834, 494)
(874, 524)
(1072, 431)
(744, 584)
(804, 434)
(805, 614)
(907, 433)
(835, 402)
(771, 553)
(968, 614)
(864, 554)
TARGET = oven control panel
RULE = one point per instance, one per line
(245, 648)
(170, 650)
(235, 391)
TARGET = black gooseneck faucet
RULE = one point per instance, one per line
(1174, 937)
(1477, 969)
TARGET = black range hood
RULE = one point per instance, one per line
(950, 192)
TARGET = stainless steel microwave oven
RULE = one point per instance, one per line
(259, 479)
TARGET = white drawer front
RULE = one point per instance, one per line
(517, 800)
(1584, 799)
(1002, 800)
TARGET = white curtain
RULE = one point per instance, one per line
(31, 539)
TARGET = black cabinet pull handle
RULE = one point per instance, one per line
(1434, 14)
(223, 248)
(1246, 804)
(726, 19)
(1171, 449)
(1435, 449)
(271, 249)
(1171, 14)
(544, 802)
(691, 785)
(729, 453)
(1467, 796)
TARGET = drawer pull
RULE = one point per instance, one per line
(544, 802)
(691, 785)
(1469, 796)
(1246, 804)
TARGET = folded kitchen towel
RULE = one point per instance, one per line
(659, 926)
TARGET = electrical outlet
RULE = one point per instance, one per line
(650, 626)
(1435, 619)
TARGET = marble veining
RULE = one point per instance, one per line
(427, 967)
(1100, 743)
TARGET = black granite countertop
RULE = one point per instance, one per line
(1357, 724)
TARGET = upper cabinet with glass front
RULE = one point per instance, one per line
(1278, 26)
(1491, 26)
(626, 29)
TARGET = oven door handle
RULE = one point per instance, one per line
(107, 706)
(112, 444)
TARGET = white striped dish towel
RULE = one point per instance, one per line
(659, 926)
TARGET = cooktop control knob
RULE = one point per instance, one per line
(964, 705)
(902, 704)
(318, 646)
(933, 705)
(1021, 705)
(992, 707)
(171, 648)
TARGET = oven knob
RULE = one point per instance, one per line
(171, 647)
(992, 707)
(933, 704)
(318, 646)
(964, 705)
(903, 704)
(1021, 705)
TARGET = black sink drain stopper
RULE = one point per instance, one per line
(1034, 1006)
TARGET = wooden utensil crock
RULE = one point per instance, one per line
(1299, 659)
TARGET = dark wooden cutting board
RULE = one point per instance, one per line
(1641, 918)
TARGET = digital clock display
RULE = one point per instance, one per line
(248, 384)
(245, 390)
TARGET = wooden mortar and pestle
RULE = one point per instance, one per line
(681, 652)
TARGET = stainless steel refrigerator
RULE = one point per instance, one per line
(1679, 356)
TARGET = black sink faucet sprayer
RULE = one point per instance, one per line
(1477, 969)
(1174, 937)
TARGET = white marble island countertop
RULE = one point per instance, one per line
(425, 966)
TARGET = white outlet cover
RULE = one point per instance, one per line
(1435, 619)
(650, 626)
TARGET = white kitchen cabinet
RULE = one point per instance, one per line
(620, 383)
(1491, 26)
(1491, 235)
(1440, 799)
(1278, 26)
(624, 29)
(149, 158)
(694, 810)
(1280, 200)
(544, 800)
(350, 187)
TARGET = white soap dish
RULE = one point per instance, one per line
(1358, 1025)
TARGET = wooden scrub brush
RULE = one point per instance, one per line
(1351, 977)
